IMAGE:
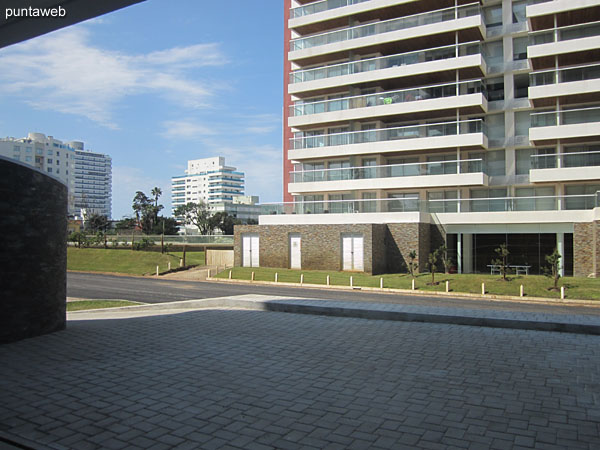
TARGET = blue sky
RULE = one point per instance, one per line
(154, 85)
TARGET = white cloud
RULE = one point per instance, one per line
(64, 72)
(186, 129)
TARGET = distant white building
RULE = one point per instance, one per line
(88, 175)
(219, 186)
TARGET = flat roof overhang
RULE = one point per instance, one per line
(13, 30)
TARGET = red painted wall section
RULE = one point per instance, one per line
(287, 102)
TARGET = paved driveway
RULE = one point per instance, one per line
(259, 380)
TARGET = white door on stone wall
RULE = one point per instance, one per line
(250, 246)
(295, 251)
(353, 252)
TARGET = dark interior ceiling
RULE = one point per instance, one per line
(13, 30)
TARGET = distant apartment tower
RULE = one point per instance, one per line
(92, 187)
(88, 175)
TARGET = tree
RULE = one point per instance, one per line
(412, 265)
(446, 260)
(171, 226)
(146, 212)
(553, 269)
(196, 214)
(224, 222)
(432, 263)
(502, 260)
(125, 225)
(96, 222)
(156, 193)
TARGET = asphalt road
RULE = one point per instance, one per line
(148, 290)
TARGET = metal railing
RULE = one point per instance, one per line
(384, 62)
(389, 171)
(414, 204)
(386, 26)
(565, 117)
(388, 98)
(564, 75)
(569, 159)
(318, 7)
(567, 33)
(389, 134)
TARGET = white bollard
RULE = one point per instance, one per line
(230, 274)
(447, 286)
(381, 283)
(482, 288)
(180, 262)
(276, 277)
(252, 277)
(351, 281)
(156, 270)
(301, 279)
(328, 280)
(562, 292)
(522, 291)
(169, 265)
(413, 284)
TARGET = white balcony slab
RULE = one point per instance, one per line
(350, 218)
(395, 109)
(476, 140)
(421, 181)
(558, 6)
(514, 217)
(564, 174)
(564, 89)
(572, 131)
(389, 37)
(424, 68)
(563, 47)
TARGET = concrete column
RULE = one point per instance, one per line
(467, 253)
(560, 245)
(459, 252)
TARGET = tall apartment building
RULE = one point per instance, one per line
(87, 175)
(412, 123)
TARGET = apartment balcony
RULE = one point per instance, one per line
(467, 134)
(416, 31)
(569, 85)
(469, 172)
(502, 210)
(572, 125)
(570, 45)
(423, 67)
(541, 13)
(572, 166)
(467, 98)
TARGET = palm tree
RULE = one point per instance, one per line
(156, 192)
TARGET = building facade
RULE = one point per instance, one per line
(87, 175)
(479, 121)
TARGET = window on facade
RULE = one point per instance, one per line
(371, 204)
(520, 48)
(521, 83)
(442, 167)
(494, 52)
(492, 16)
(495, 126)
(545, 202)
(523, 160)
(518, 12)
(483, 200)
(496, 163)
(403, 202)
(444, 201)
(17, 148)
(403, 167)
(339, 170)
(495, 88)
(522, 123)
(49, 169)
(581, 196)
(338, 136)
(315, 172)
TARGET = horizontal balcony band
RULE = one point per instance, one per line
(324, 5)
(571, 125)
(571, 166)
(387, 26)
(569, 85)
(560, 34)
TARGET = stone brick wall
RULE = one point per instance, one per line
(401, 239)
(584, 249)
(33, 226)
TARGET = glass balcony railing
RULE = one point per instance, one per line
(570, 159)
(387, 98)
(389, 134)
(385, 62)
(371, 29)
(566, 75)
(414, 204)
(568, 33)
(389, 171)
(318, 7)
(565, 117)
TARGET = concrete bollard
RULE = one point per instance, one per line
(230, 274)
(180, 262)
(169, 265)
(447, 286)
(328, 280)
(521, 291)
(381, 283)
(252, 277)
(413, 284)
(482, 288)
(276, 277)
(301, 279)
(156, 270)
(351, 281)
(562, 292)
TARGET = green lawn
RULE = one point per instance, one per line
(80, 305)
(126, 261)
(534, 285)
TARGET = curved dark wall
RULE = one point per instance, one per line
(33, 252)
